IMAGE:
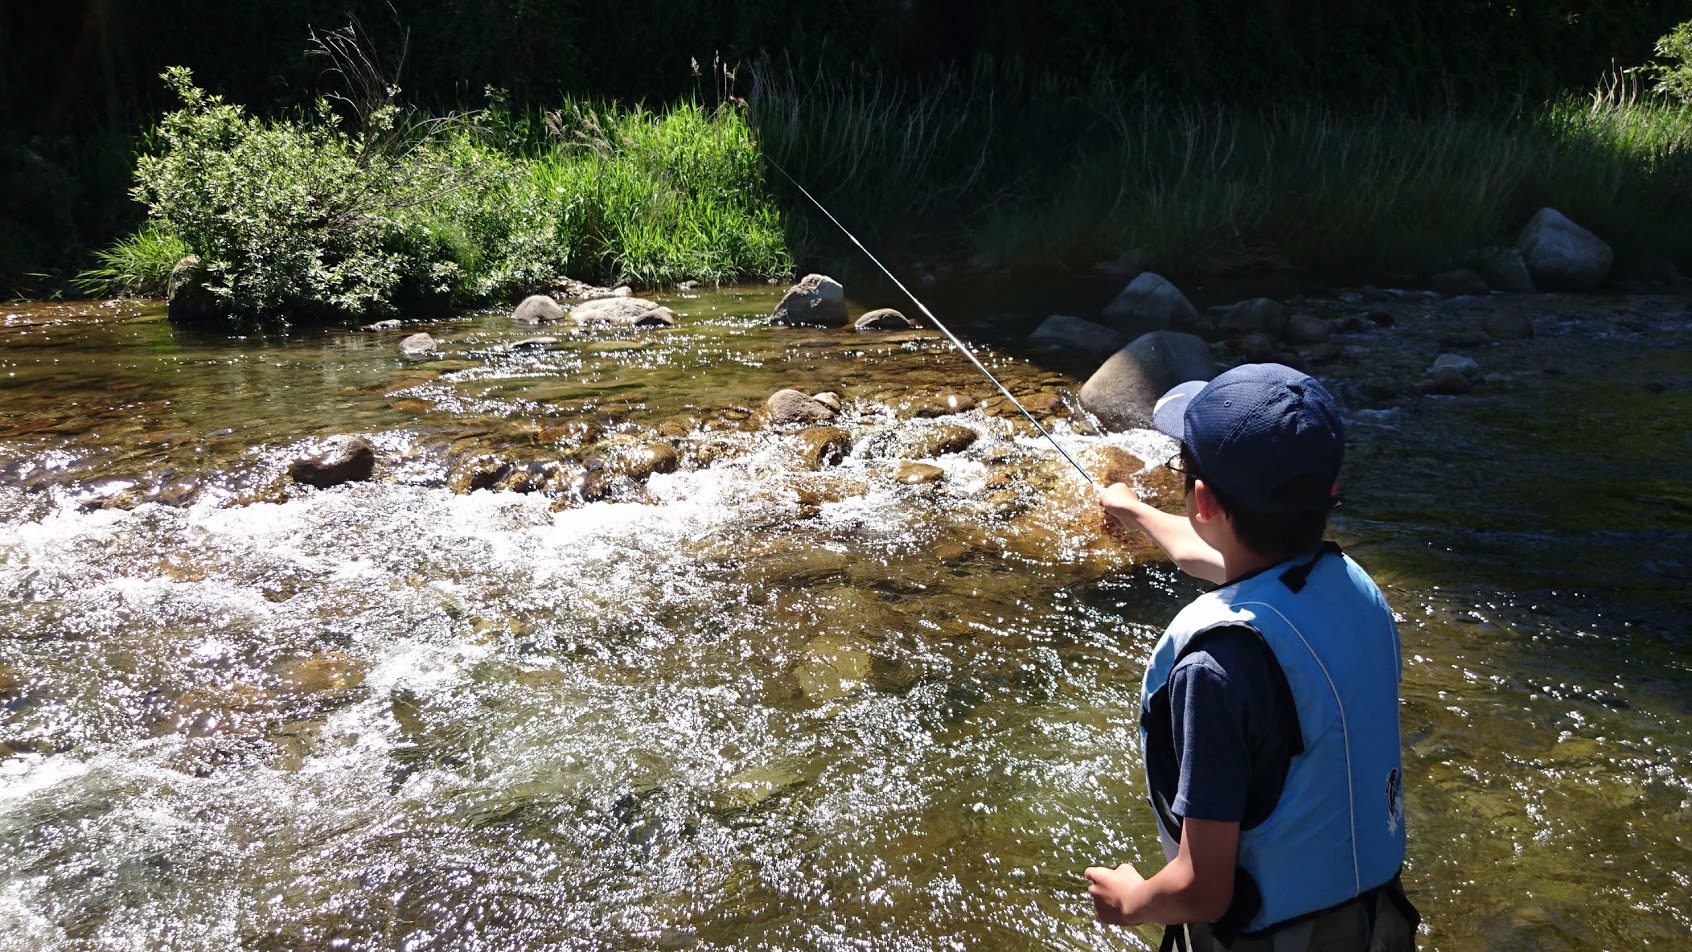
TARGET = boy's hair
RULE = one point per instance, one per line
(1275, 534)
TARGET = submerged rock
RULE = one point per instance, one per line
(1077, 334)
(817, 300)
(538, 309)
(337, 460)
(1123, 391)
(822, 446)
(918, 474)
(418, 345)
(1148, 303)
(1561, 255)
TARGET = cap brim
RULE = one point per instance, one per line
(1169, 415)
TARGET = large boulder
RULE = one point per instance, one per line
(1073, 333)
(337, 460)
(817, 300)
(1148, 303)
(1561, 255)
(1122, 392)
(538, 309)
(623, 312)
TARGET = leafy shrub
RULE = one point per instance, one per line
(1674, 73)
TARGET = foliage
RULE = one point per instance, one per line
(1674, 72)
(138, 265)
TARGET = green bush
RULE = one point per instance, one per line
(1674, 73)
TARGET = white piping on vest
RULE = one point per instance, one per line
(1345, 731)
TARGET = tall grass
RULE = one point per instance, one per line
(1030, 175)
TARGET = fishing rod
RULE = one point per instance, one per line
(930, 315)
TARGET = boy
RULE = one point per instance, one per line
(1269, 713)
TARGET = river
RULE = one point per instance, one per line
(749, 705)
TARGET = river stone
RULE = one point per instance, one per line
(643, 461)
(1258, 348)
(391, 324)
(1459, 282)
(918, 474)
(1307, 329)
(1561, 255)
(337, 460)
(1448, 381)
(791, 406)
(418, 345)
(943, 406)
(822, 446)
(1463, 365)
(933, 441)
(532, 343)
(1062, 330)
(187, 300)
(1148, 303)
(817, 300)
(538, 309)
(828, 398)
(1511, 323)
(622, 312)
(1256, 314)
(1123, 391)
(1110, 464)
(1505, 270)
(834, 666)
(478, 472)
(883, 319)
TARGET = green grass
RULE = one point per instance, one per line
(1036, 177)
(138, 265)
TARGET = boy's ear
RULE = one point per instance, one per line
(1204, 503)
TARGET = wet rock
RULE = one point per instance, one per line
(1258, 348)
(1074, 333)
(622, 312)
(1561, 255)
(1504, 269)
(419, 345)
(1458, 282)
(1110, 464)
(884, 319)
(1511, 323)
(1448, 381)
(822, 446)
(1123, 391)
(918, 474)
(532, 343)
(834, 666)
(933, 441)
(642, 462)
(828, 398)
(942, 406)
(477, 472)
(791, 406)
(337, 460)
(817, 300)
(1148, 303)
(1457, 362)
(1254, 315)
(1307, 329)
(538, 309)
(392, 324)
(328, 673)
(187, 299)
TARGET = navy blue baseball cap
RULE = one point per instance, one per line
(1264, 434)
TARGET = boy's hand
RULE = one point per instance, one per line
(1117, 499)
(1110, 887)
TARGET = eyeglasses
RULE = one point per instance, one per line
(1179, 464)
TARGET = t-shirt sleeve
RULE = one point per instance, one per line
(1215, 692)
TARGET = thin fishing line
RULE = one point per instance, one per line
(930, 315)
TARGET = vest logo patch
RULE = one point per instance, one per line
(1395, 801)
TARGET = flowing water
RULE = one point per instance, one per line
(752, 704)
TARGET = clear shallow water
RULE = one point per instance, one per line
(743, 705)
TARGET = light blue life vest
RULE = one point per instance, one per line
(1338, 828)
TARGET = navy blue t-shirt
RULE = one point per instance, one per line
(1235, 727)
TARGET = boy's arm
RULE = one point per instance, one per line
(1196, 886)
(1173, 534)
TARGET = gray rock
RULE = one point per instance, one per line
(1257, 314)
(538, 309)
(791, 406)
(418, 345)
(620, 311)
(659, 316)
(532, 343)
(883, 319)
(1463, 365)
(1307, 329)
(1148, 303)
(1458, 282)
(187, 300)
(1505, 270)
(1062, 330)
(1511, 323)
(1123, 391)
(1448, 381)
(337, 460)
(828, 398)
(817, 300)
(392, 324)
(1561, 255)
